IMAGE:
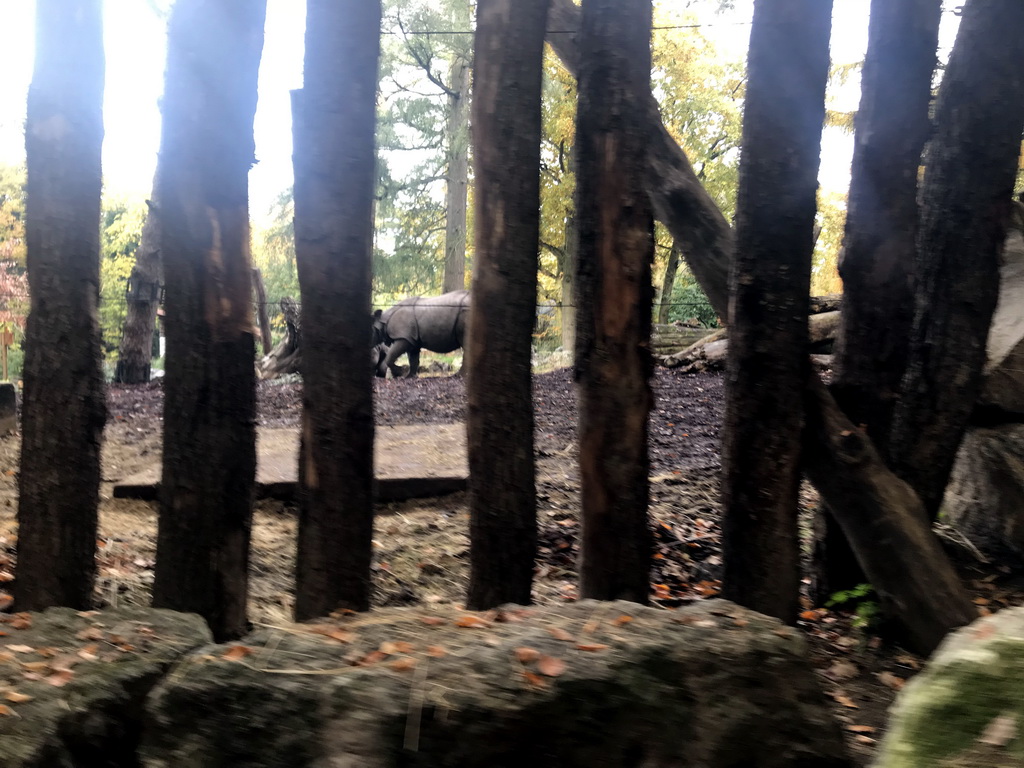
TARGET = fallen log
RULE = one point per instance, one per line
(287, 355)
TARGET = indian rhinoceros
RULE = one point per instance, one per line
(434, 323)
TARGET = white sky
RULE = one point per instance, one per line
(135, 62)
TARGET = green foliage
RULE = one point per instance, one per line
(120, 233)
(825, 266)
(689, 301)
(866, 612)
(273, 252)
(12, 213)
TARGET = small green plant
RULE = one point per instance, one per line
(858, 600)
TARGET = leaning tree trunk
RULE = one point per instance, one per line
(458, 174)
(209, 459)
(668, 283)
(335, 165)
(892, 126)
(63, 407)
(693, 218)
(965, 204)
(133, 358)
(787, 69)
(613, 357)
(507, 130)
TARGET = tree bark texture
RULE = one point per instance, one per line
(668, 283)
(458, 177)
(335, 171)
(787, 68)
(570, 257)
(613, 356)
(965, 205)
(136, 352)
(884, 521)
(507, 132)
(63, 406)
(877, 264)
(209, 459)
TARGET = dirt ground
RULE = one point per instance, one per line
(422, 545)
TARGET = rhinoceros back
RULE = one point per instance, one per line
(435, 323)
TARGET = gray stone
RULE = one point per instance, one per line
(87, 675)
(966, 709)
(985, 496)
(1003, 386)
(583, 684)
(8, 408)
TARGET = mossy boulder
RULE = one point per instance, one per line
(966, 709)
(72, 684)
(583, 684)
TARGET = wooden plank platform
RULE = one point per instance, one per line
(410, 462)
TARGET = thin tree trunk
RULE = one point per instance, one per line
(335, 170)
(507, 131)
(569, 258)
(966, 195)
(458, 177)
(136, 352)
(613, 357)
(785, 108)
(63, 407)
(668, 283)
(892, 126)
(209, 459)
(260, 292)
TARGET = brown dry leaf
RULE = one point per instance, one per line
(236, 652)
(862, 739)
(90, 633)
(535, 681)
(550, 666)
(622, 620)
(842, 670)
(846, 701)
(373, 657)
(526, 655)
(560, 634)
(60, 678)
(469, 621)
(740, 622)
(403, 664)
(810, 615)
(5, 600)
(89, 652)
(17, 698)
(981, 601)
(860, 728)
(6, 657)
(891, 680)
(399, 646)
(6, 711)
(21, 621)
(20, 648)
(36, 666)
(433, 621)
(591, 627)
(341, 635)
(591, 647)
(6, 576)
(436, 651)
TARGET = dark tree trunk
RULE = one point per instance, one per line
(136, 352)
(209, 459)
(507, 131)
(335, 165)
(892, 126)
(570, 256)
(63, 407)
(787, 68)
(668, 283)
(458, 175)
(965, 205)
(613, 356)
(692, 217)
(259, 290)
(885, 522)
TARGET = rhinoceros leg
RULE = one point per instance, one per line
(395, 351)
(414, 363)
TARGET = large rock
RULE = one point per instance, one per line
(966, 709)
(72, 684)
(985, 496)
(584, 684)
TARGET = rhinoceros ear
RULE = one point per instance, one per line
(377, 314)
